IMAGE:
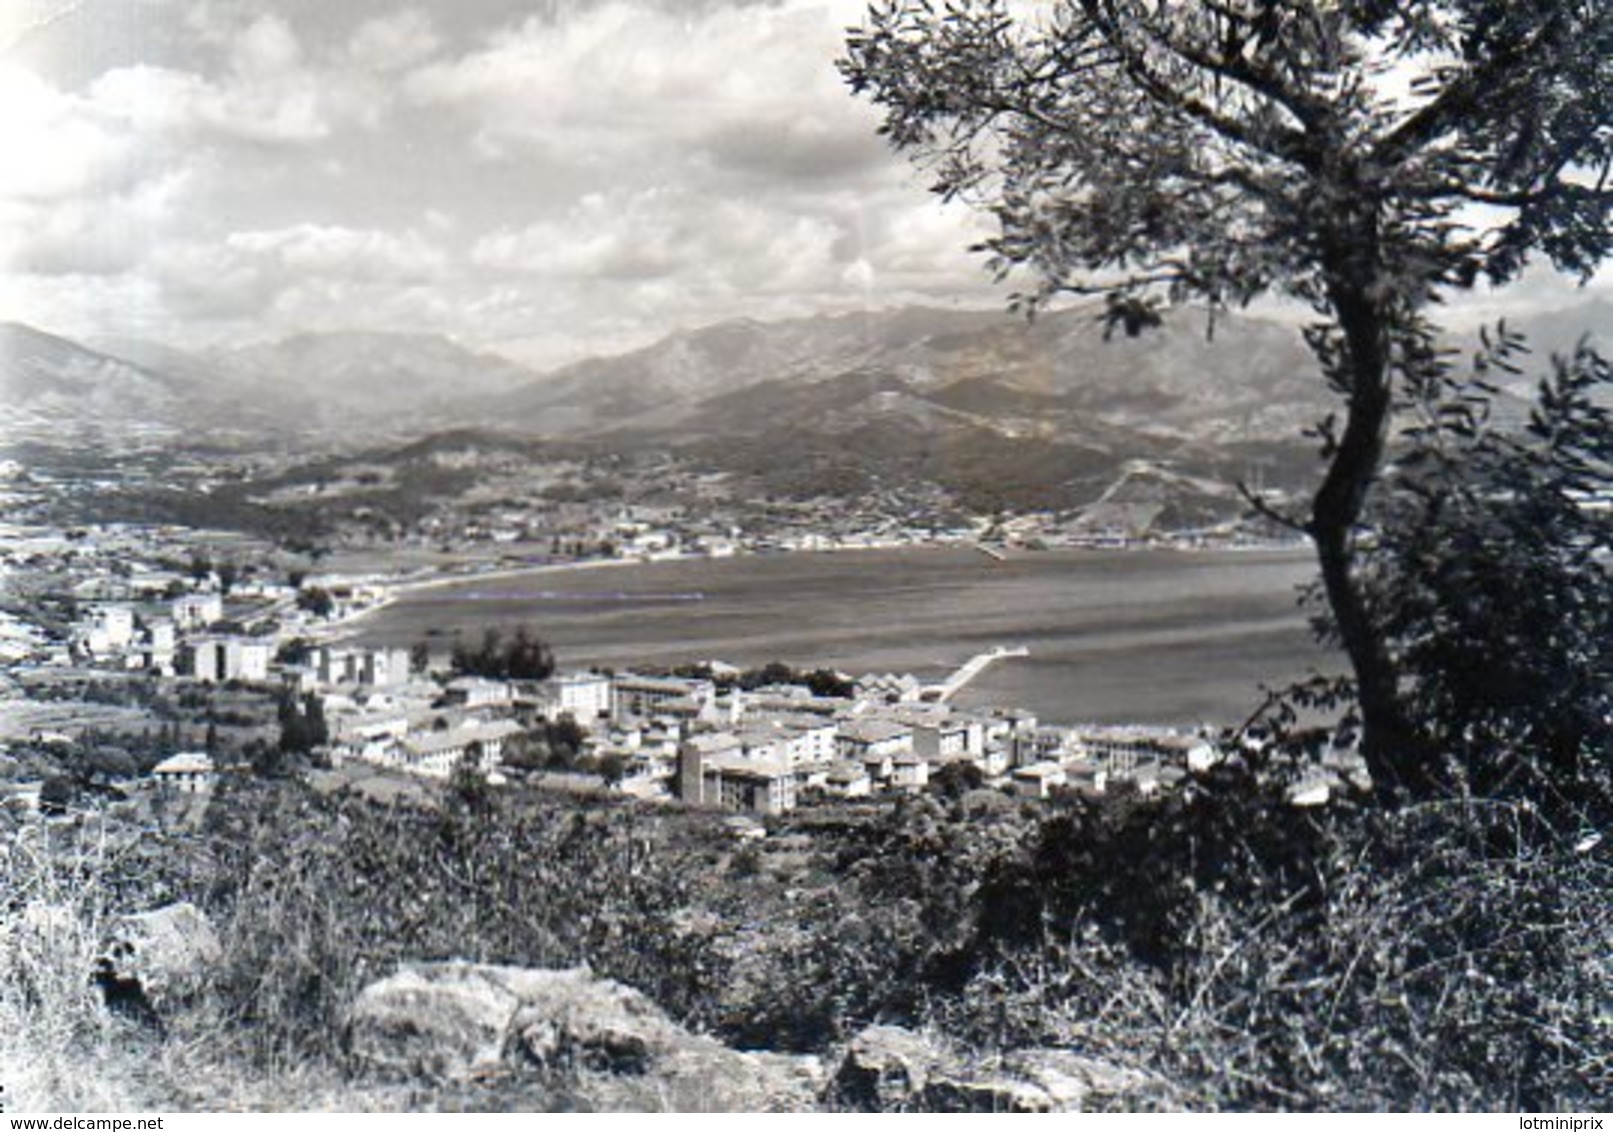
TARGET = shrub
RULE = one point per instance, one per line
(1491, 581)
(53, 1024)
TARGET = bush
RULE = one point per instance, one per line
(53, 1024)
(522, 657)
(1442, 956)
(1490, 578)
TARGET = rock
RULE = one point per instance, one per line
(569, 1017)
(887, 1067)
(616, 1049)
(1075, 1081)
(985, 1094)
(443, 1021)
(155, 961)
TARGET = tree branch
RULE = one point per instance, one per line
(1267, 511)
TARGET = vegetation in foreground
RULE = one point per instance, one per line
(1448, 956)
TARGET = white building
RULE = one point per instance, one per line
(646, 696)
(585, 696)
(188, 773)
(735, 782)
(436, 753)
(1038, 779)
(478, 692)
(861, 739)
(217, 659)
(374, 668)
(198, 611)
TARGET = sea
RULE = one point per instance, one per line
(1154, 635)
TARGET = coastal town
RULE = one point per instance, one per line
(175, 657)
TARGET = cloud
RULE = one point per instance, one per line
(333, 250)
(707, 246)
(305, 267)
(585, 179)
(105, 235)
(623, 81)
(55, 146)
(266, 48)
(394, 42)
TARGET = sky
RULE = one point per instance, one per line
(547, 179)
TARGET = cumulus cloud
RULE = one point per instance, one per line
(393, 42)
(581, 180)
(333, 250)
(738, 85)
(714, 249)
(253, 273)
(55, 146)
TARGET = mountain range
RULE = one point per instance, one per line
(979, 401)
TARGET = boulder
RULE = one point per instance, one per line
(615, 1048)
(1044, 1080)
(570, 1018)
(441, 1021)
(155, 961)
(1075, 1081)
(886, 1068)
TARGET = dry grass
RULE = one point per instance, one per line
(61, 1048)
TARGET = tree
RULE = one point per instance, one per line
(468, 786)
(302, 723)
(612, 769)
(1360, 156)
(1489, 579)
(522, 657)
(420, 658)
(316, 600)
(58, 794)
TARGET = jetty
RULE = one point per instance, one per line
(974, 666)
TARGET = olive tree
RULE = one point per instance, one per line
(1359, 156)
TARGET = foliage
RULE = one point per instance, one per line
(317, 897)
(468, 787)
(1441, 956)
(1437, 956)
(302, 723)
(59, 903)
(522, 657)
(1189, 150)
(612, 768)
(1490, 578)
(821, 681)
(316, 600)
(420, 658)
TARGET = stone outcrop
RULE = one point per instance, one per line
(888, 1068)
(616, 1049)
(155, 961)
(603, 1045)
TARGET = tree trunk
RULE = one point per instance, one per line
(1388, 743)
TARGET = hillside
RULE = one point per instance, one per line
(48, 384)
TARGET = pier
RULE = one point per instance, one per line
(974, 666)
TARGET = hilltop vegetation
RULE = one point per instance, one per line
(1250, 955)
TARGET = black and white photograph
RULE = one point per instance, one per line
(806, 557)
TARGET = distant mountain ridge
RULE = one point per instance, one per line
(55, 386)
(1055, 379)
(389, 374)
